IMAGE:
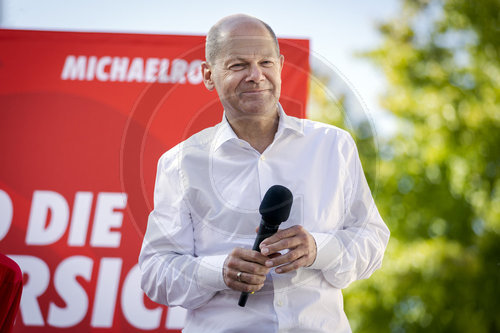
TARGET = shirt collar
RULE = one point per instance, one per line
(288, 123)
(225, 132)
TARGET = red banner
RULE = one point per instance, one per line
(84, 118)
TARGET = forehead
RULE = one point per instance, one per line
(245, 38)
(247, 46)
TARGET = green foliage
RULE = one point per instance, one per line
(438, 178)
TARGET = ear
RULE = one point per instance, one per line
(206, 71)
(282, 61)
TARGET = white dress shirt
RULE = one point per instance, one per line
(207, 193)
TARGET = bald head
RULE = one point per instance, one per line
(230, 25)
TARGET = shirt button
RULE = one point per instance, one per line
(280, 303)
(262, 158)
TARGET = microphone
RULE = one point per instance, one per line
(274, 208)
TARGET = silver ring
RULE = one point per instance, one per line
(238, 276)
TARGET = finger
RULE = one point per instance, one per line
(249, 255)
(246, 282)
(274, 255)
(253, 256)
(289, 257)
(294, 265)
(248, 278)
(282, 244)
(247, 267)
(244, 287)
(281, 234)
(238, 261)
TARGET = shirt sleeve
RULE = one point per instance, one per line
(171, 272)
(356, 250)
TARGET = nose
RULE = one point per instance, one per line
(255, 73)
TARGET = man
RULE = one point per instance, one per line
(197, 248)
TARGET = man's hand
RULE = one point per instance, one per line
(251, 265)
(299, 242)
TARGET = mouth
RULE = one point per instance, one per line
(255, 92)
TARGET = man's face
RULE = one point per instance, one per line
(247, 73)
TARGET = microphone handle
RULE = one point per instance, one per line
(265, 230)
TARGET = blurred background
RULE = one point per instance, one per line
(417, 84)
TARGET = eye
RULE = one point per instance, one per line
(237, 66)
(267, 63)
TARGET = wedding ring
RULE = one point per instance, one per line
(238, 276)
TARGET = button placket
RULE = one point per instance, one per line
(265, 175)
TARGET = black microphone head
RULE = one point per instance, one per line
(276, 205)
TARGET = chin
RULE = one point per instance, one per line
(259, 107)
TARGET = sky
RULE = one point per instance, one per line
(337, 30)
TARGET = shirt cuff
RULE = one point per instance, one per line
(328, 251)
(209, 272)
